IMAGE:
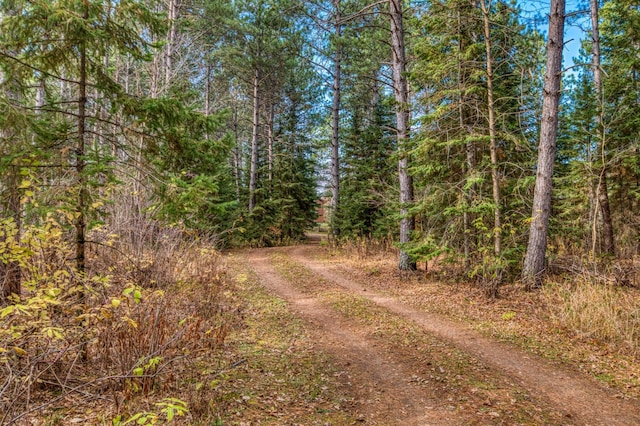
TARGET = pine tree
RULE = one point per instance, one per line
(574, 210)
(534, 262)
(335, 112)
(63, 46)
(476, 127)
(403, 129)
(619, 40)
(367, 175)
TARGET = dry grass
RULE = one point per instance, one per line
(596, 311)
(366, 248)
(597, 300)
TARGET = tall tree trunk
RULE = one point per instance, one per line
(497, 231)
(80, 157)
(236, 151)
(534, 262)
(83, 193)
(171, 41)
(253, 174)
(270, 116)
(601, 184)
(401, 93)
(40, 95)
(374, 100)
(469, 165)
(155, 69)
(335, 117)
(10, 274)
(207, 91)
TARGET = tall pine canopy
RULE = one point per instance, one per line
(237, 119)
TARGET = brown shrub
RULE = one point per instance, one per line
(147, 306)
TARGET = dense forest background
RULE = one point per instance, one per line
(218, 118)
(132, 130)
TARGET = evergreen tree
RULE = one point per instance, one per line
(462, 154)
(286, 205)
(368, 174)
(62, 46)
(258, 46)
(368, 197)
(574, 210)
(601, 187)
(620, 24)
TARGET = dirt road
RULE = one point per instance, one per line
(391, 383)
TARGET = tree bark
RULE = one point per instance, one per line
(601, 184)
(207, 91)
(236, 150)
(497, 231)
(401, 93)
(10, 273)
(534, 262)
(335, 117)
(80, 158)
(171, 41)
(253, 174)
(153, 85)
(270, 119)
(83, 192)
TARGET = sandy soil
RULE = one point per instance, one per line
(380, 379)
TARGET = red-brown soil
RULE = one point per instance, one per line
(382, 379)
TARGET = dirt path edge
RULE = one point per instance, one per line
(581, 398)
(385, 395)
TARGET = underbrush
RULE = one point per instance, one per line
(113, 345)
(364, 248)
(598, 304)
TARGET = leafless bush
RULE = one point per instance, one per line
(368, 248)
(150, 253)
(605, 271)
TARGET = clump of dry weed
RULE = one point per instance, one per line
(597, 311)
(363, 248)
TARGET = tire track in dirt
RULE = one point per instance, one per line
(382, 386)
(583, 400)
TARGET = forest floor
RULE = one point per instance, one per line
(331, 338)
